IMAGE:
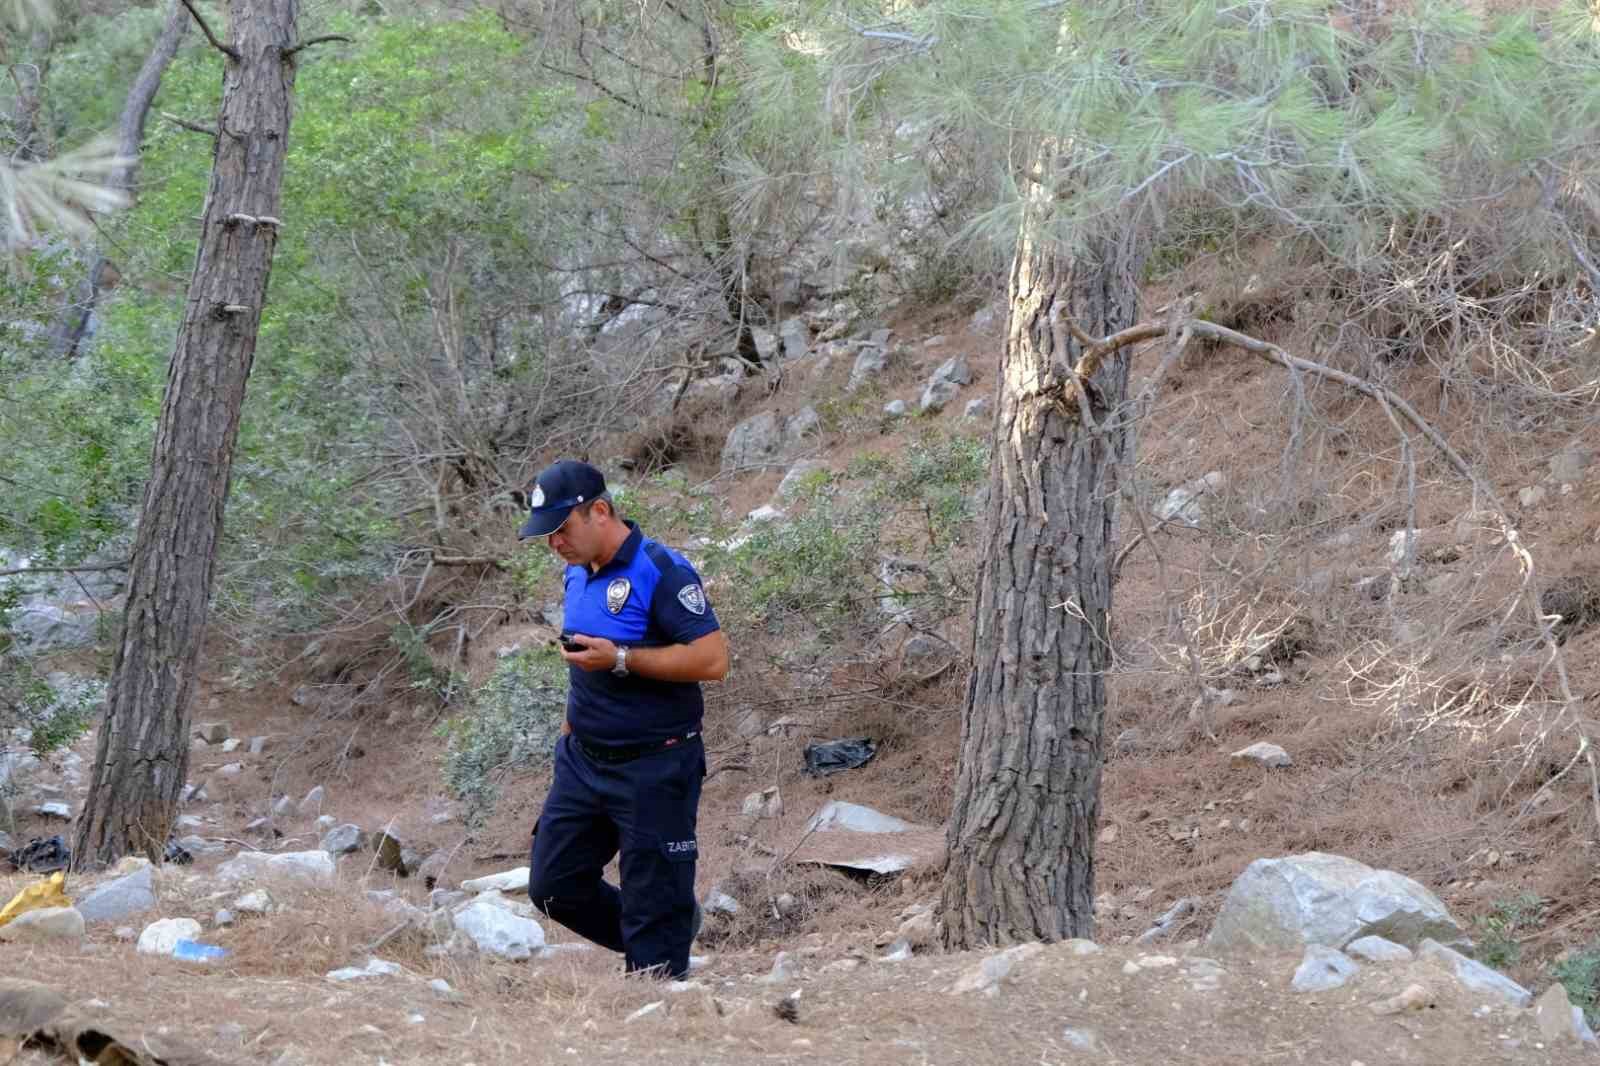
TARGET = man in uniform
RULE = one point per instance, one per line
(630, 760)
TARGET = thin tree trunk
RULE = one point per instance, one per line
(1027, 800)
(74, 320)
(142, 756)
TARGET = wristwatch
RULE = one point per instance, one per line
(621, 669)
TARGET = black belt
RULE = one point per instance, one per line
(628, 754)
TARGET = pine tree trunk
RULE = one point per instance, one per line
(1021, 837)
(142, 757)
(74, 321)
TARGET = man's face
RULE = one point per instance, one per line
(578, 541)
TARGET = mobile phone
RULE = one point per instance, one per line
(568, 644)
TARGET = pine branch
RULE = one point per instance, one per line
(324, 39)
(123, 565)
(205, 28)
(197, 127)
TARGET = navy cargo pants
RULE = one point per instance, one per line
(645, 808)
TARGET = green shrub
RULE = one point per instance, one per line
(1579, 973)
(1497, 930)
(513, 720)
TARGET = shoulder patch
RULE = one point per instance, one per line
(693, 598)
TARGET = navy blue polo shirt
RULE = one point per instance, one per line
(647, 596)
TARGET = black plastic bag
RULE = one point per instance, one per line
(39, 856)
(177, 854)
(831, 756)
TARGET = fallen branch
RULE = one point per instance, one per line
(123, 565)
(469, 560)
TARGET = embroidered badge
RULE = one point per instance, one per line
(693, 598)
(537, 499)
(617, 594)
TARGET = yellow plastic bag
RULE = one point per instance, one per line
(51, 892)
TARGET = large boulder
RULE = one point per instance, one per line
(756, 441)
(44, 924)
(315, 868)
(1287, 903)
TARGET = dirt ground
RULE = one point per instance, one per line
(1448, 789)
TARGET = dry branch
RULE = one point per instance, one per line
(205, 28)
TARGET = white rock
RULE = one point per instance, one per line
(231, 745)
(953, 370)
(936, 394)
(120, 897)
(1531, 496)
(326, 822)
(1263, 754)
(1323, 968)
(223, 918)
(45, 923)
(721, 903)
(313, 800)
(767, 803)
(507, 881)
(284, 807)
(896, 408)
(977, 407)
(254, 902)
(495, 930)
(309, 867)
(765, 513)
(1474, 975)
(211, 732)
(1377, 949)
(233, 769)
(344, 839)
(54, 810)
(783, 969)
(870, 362)
(1317, 898)
(994, 969)
(375, 967)
(161, 937)
(658, 1007)
(1081, 1040)
(1183, 504)
(258, 745)
(899, 951)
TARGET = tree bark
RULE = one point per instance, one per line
(1027, 799)
(141, 760)
(74, 320)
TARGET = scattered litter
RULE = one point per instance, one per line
(831, 756)
(41, 855)
(177, 854)
(196, 951)
(41, 895)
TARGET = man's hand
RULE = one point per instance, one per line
(598, 653)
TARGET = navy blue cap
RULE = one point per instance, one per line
(556, 491)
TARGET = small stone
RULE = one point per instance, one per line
(445, 898)
(125, 932)
(1081, 1039)
(258, 745)
(495, 930)
(765, 513)
(230, 745)
(786, 904)
(283, 808)
(842, 966)
(989, 973)
(899, 951)
(1262, 754)
(233, 769)
(783, 969)
(344, 839)
(977, 407)
(896, 409)
(1413, 998)
(374, 968)
(313, 800)
(442, 989)
(390, 854)
(161, 937)
(1377, 949)
(1128, 741)
(54, 810)
(1532, 496)
(936, 395)
(310, 867)
(121, 897)
(1080, 947)
(223, 918)
(646, 1011)
(768, 803)
(1323, 968)
(211, 732)
(326, 822)
(254, 902)
(506, 881)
